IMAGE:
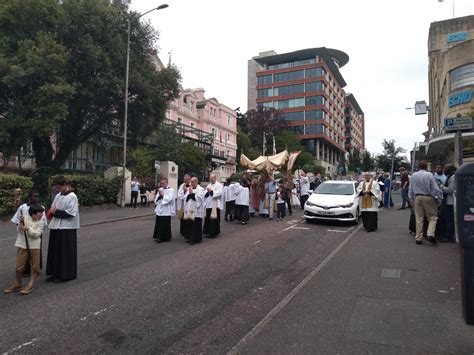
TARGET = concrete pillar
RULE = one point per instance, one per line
(317, 149)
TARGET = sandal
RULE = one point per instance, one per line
(13, 288)
(28, 289)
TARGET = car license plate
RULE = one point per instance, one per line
(326, 213)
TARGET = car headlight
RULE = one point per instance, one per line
(310, 204)
(348, 205)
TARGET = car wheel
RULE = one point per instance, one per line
(356, 221)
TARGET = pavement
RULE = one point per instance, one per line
(268, 287)
(380, 293)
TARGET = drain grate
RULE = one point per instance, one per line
(391, 273)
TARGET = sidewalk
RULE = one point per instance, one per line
(90, 216)
(353, 306)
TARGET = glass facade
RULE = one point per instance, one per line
(462, 77)
(314, 128)
(314, 72)
(293, 116)
(264, 79)
(314, 100)
(315, 114)
(288, 76)
(291, 64)
(280, 104)
(263, 93)
(297, 129)
(314, 86)
(288, 90)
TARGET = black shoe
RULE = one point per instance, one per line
(58, 281)
(158, 241)
(49, 279)
(402, 208)
(225, 219)
(191, 242)
(419, 242)
(433, 240)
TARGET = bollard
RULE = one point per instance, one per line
(464, 220)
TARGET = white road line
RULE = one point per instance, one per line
(258, 241)
(94, 314)
(284, 230)
(306, 228)
(338, 230)
(19, 347)
(293, 221)
(273, 313)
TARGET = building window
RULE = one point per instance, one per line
(263, 93)
(228, 120)
(315, 86)
(314, 100)
(264, 79)
(180, 121)
(288, 76)
(265, 105)
(281, 104)
(288, 90)
(293, 116)
(315, 114)
(462, 76)
(314, 128)
(192, 124)
(314, 72)
(291, 64)
(297, 129)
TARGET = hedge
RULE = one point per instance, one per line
(94, 190)
(8, 185)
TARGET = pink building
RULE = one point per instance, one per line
(192, 109)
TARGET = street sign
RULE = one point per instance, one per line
(458, 124)
(157, 165)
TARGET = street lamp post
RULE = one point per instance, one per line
(125, 121)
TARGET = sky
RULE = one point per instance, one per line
(211, 41)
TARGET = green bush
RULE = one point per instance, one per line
(8, 185)
(94, 190)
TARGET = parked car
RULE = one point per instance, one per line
(334, 200)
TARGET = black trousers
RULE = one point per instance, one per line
(229, 210)
(143, 200)
(212, 227)
(133, 200)
(162, 230)
(242, 213)
(303, 200)
(281, 210)
(193, 230)
(370, 220)
(288, 203)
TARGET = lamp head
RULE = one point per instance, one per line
(164, 6)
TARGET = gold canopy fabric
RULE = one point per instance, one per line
(270, 163)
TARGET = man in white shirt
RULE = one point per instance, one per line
(304, 189)
(165, 208)
(181, 200)
(194, 212)
(214, 206)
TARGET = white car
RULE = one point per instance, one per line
(334, 200)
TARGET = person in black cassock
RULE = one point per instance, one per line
(165, 208)
(62, 249)
(212, 227)
(369, 192)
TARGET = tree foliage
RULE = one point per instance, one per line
(256, 122)
(368, 163)
(391, 151)
(355, 163)
(62, 71)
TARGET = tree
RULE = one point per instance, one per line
(244, 145)
(256, 122)
(62, 68)
(140, 161)
(368, 163)
(355, 162)
(391, 152)
(192, 159)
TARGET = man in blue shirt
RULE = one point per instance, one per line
(270, 193)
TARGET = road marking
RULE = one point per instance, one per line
(31, 342)
(284, 230)
(273, 313)
(163, 284)
(94, 314)
(293, 221)
(338, 230)
(306, 228)
(258, 241)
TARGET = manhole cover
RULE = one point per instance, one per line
(391, 273)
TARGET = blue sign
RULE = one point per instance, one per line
(456, 37)
(460, 98)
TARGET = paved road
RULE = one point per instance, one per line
(135, 295)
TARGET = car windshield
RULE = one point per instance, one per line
(335, 189)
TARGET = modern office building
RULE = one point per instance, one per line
(451, 86)
(307, 87)
(355, 125)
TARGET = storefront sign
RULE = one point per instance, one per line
(460, 98)
(459, 36)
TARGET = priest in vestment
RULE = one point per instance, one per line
(194, 212)
(165, 208)
(369, 199)
(62, 248)
(212, 227)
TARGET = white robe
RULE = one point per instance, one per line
(181, 193)
(376, 196)
(70, 205)
(243, 196)
(217, 189)
(165, 206)
(304, 185)
(196, 205)
(23, 210)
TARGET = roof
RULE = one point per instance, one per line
(330, 57)
(353, 101)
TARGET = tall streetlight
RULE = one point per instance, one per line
(125, 123)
